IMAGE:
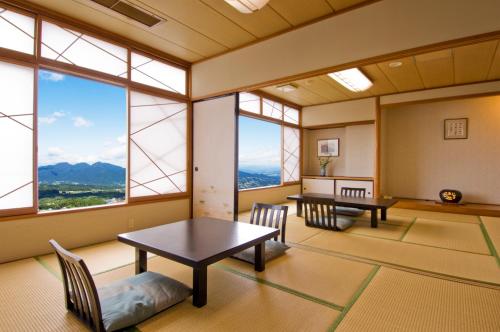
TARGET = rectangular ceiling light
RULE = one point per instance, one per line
(130, 11)
(353, 79)
(247, 6)
(287, 87)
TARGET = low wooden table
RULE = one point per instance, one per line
(198, 243)
(372, 204)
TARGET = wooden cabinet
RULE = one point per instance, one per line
(332, 185)
(367, 185)
(319, 186)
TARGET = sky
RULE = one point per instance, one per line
(259, 143)
(80, 120)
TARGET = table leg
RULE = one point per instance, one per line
(141, 261)
(200, 286)
(299, 208)
(383, 213)
(374, 219)
(260, 257)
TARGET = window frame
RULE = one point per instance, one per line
(283, 124)
(37, 62)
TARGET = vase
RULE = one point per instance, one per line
(322, 171)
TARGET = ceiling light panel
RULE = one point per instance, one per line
(247, 6)
(353, 79)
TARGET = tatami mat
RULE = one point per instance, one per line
(392, 219)
(444, 261)
(433, 215)
(234, 303)
(384, 230)
(446, 234)
(32, 299)
(400, 301)
(98, 257)
(314, 274)
(297, 231)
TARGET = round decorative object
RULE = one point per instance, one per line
(450, 195)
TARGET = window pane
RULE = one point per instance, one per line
(16, 31)
(272, 108)
(68, 46)
(16, 136)
(158, 74)
(82, 147)
(291, 115)
(158, 145)
(291, 153)
(250, 102)
(259, 153)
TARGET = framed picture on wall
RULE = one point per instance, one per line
(456, 128)
(328, 147)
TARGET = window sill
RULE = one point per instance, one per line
(42, 214)
(270, 187)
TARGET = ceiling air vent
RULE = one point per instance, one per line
(130, 11)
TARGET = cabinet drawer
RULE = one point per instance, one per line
(368, 185)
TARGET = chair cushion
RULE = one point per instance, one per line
(132, 300)
(273, 250)
(349, 211)
(344, 223)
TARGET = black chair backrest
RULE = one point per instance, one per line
(353, 192)
(80, 292)
(320, 212)
(270, 216)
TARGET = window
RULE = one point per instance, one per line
(68, 46)
(16, 136)
(81, 142)
(291, 115)
(158, 160)
(250, 102)
(17, 32)
(272, 109)
(291, 152)
(158, 74)
(259, 153)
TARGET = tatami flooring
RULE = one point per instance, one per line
(419, 271)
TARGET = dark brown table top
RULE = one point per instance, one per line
(367, 202)
(199, 241)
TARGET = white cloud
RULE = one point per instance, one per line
(54, 151)
(51, 118)
(81, 122)
(121, 139)
(267, 156)
(51, 76)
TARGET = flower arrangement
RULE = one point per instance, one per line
(323, 163)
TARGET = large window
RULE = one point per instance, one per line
(86, 121)
(81, 142)
(259, 153)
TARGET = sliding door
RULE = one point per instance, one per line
(215, 123)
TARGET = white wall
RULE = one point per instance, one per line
(381, 28)
(417, 162)
(341, 112)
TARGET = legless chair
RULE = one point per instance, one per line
(270, 216)
(120, 304)
(321, 213)
(351, 192)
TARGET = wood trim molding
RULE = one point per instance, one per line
(439, 99)
(350, 178)
(363, 62)
(286, 184)
(339, 125)
(378, 148)
(35, 9)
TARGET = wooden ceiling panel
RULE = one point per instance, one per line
(201, 19)
(343, 4)
(293, 97)
(297, 12)
(381, 84)
(404, 77)
(494, 73)
(473, 62)
(322, 88)
(436, 68)
(261, 23)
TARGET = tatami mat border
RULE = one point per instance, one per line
(490, 244)
(407, 229)
(354, 298)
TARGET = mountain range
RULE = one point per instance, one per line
(82, 173)
(253, 180)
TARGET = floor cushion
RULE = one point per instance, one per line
(349, 211)
(132, 300)
(273, 250)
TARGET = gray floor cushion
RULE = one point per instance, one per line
(349, 211)
(274, 249)
(344, 223)
(132, 300)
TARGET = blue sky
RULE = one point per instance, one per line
(259, 143)
(80, 120)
